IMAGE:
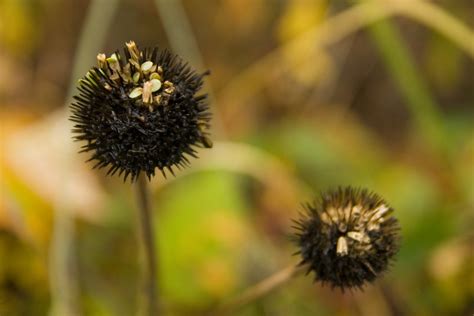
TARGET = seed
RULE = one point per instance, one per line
(325, 218)
(380, 212)
(133, 50)
(136, 93)
(115, 76)
(112, 59)
(134, 63)
(356, 210)
(155, 85)
(358, 236)
(341, 247)
(147, 94)
(136, 77)
(101, 60)
(333, 214)
(158, 99)
(342, 226)
(146, 66)
(155, 75)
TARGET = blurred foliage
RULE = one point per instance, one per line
(388, 107)
(18, 31)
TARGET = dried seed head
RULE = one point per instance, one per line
(348, 237)
(140, 111)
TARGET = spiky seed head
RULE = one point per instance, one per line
(348, 237)
(140, 111)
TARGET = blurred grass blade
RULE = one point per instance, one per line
(64, 286)
(183, 42)
(438, 19)
(400, 64)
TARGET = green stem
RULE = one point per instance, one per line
(148, 247)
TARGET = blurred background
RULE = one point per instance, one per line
(306, 95)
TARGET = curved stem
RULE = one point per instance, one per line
(436, 18)
(148, 247)
(259, 290)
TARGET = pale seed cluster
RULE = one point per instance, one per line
(140, 111)
(147, 85)
(348, 237)
(361, 221)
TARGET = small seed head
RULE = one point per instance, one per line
(348, 237)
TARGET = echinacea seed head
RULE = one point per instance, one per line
(140, 111)
(348, 237)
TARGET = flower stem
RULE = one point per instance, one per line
(148, 247)
(259, 290)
